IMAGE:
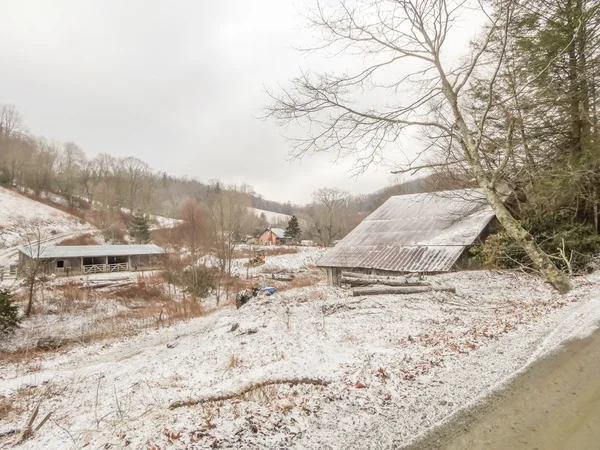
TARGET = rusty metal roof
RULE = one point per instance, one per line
(414, 233)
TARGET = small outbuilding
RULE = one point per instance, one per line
(272, 236)
(89, 259)
(416, 233)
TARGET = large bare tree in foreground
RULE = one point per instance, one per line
(401, 46)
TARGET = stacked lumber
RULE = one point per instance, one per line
(382, 290)
(377, 285)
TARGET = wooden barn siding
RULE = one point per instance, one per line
(334, 274)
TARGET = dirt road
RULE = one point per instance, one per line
(555, 405)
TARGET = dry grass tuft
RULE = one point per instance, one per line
(264, 395)
(233, 362)
(7, 406)
(299, 281)
(148, 288)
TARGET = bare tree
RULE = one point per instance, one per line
(11, 121)
(70, 162)
(135, 171)
(32, 265)
(228, 208)
(327, 214)
(12, 131)
(391, 36)
(193, 228)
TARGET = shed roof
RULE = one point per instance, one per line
(279, 232)
(414, 233)
(88, 251)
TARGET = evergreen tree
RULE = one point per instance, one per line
(9, 313)
(139, 228)
(293, 229)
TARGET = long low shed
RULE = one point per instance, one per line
(422, 233)
(88, 259)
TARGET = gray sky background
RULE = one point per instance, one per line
(175, 83)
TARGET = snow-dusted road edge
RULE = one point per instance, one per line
(579, 324)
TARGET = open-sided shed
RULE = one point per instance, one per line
(421, 233)
(87, 259)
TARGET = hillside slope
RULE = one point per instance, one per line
(19, 215)
(273, 218)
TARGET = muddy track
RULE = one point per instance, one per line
(554, 405)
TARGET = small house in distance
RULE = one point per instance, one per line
(272, 236)
(89, 259)
(416, 233)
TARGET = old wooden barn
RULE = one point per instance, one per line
(416, 233)
(89, 259)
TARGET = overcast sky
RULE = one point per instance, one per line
(178, 84)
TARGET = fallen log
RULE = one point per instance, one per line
(382, 290)
(386, 282)
(245, 389)
(282, 277)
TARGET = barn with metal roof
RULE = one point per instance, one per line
(87, 259)
(419, 233)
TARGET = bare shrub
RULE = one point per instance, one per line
(199, 281)
(84, 239)
(183, 310)
(299, 281)
(149, 287)
(72, 292)
(7, 406)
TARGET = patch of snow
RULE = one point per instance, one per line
(272, 217)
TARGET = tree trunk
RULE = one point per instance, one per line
(385, 290)
(514, 229)
(526, 241)
(29, 306)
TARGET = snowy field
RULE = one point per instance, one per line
(273, 218)
(386, 368)
(18, 212)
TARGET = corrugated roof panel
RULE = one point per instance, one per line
(394, 259)
(414, 233)
(89, 251)
(279, 232)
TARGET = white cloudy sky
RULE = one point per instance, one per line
(178, 84)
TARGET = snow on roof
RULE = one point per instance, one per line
(279, 232)
(414, 233)
(88, 251)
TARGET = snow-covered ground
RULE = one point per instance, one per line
(19, 213)
(273, 218)
(159, 222)
(394, 366)
(305, 257)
